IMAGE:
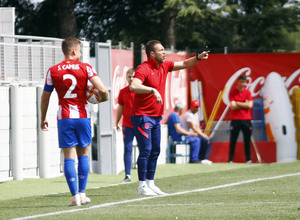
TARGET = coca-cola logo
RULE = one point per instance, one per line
(118, 83)
(255, 85)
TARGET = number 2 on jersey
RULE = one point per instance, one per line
(69, 94)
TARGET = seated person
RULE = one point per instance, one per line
(191, 123)
(177, 133)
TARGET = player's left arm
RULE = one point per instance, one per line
(98, 84)
(190, 62)
(44, 108)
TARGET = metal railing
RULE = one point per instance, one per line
(25, 59)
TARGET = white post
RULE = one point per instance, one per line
(225, 50)
(43, 142)
(16, 131)
(85, 51)
(218, 123)
(131, 46)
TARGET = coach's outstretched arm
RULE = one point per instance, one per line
(190, 62)
(98, 84)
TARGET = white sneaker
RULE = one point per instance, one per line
(75, 200)
(84, 199)
(208, 162)
(157, 190)
(146, 191)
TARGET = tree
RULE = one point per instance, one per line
(49, 18)
(66, 17)
(181, 24)
(56, 19)
(264, 24)
(235, 23)
(118, 20)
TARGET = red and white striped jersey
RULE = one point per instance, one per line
(69, 78)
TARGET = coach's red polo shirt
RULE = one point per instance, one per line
(150, 75)
(242, 113)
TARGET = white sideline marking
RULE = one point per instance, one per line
(214, 203)
(153, 197)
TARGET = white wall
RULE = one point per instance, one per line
(29, 128)
(4, 133)
(29, 134)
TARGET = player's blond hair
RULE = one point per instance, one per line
(130, 70)
(69, 44)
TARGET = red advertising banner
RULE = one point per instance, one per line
(222, 70)
(218, 72)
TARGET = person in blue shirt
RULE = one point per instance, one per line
(177, 132)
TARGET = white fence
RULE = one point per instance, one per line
(26, 59)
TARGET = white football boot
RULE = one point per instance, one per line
(84, 199)
(75, 200)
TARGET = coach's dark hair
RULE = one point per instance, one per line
(150, 46)
(69, 44)
(243, 77)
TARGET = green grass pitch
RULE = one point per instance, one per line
(195, 191)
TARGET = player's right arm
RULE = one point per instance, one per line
(98, 84)
(44, 107)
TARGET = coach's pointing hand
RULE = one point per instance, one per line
(203, 55)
